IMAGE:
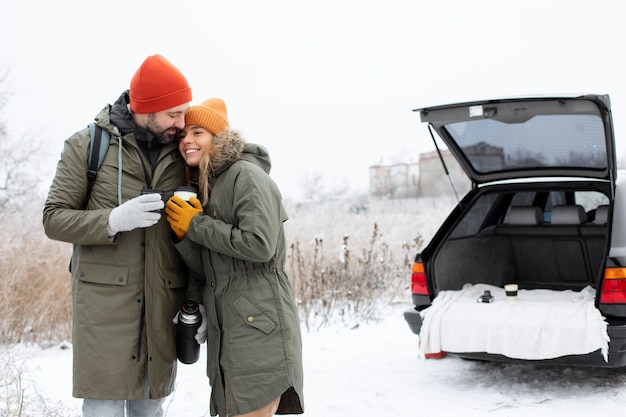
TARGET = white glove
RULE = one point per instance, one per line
(201, 333)
(137, 212)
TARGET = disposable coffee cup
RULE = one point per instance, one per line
(151, 191)
(511, 292)
(186, 192)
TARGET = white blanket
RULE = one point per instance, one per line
(540, 324)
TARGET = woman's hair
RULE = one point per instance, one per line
(204, 171)
(227, 147)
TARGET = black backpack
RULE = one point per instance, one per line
(98, 146)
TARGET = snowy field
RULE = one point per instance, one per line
(370, 370)
(353, 368)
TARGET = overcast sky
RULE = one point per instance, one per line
(328, 86)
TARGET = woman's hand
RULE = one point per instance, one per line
(180, 212)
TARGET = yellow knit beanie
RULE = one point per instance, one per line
(211, 115)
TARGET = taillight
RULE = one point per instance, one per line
(418, 279)
(614, 286)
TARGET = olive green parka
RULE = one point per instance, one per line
(235, 252)
(125, 291)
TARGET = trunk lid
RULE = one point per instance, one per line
(505, 139)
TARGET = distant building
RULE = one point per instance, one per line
(486, 157)
(426, 178)
(395, 181)
(433, 180)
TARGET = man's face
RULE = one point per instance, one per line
(166, 123)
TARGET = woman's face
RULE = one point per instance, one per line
(193, 142)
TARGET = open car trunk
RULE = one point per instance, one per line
(540, 214)
(566, 253)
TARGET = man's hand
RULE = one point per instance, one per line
(137, 212)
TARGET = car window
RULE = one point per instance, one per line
(523, 199)
(475, 216)
(557, 141)
(589, 200)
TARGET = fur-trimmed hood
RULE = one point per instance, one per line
(229, 147)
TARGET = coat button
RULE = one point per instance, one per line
(250, 319)
(121, 279)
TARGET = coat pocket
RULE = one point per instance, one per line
(102, 274)
(252, 315)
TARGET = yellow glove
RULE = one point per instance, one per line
(179, 214)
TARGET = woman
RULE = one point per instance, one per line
(234, 246)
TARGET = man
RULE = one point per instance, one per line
(127, 279)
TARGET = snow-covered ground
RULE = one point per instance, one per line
(370, 369)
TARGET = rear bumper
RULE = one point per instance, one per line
(617, 348)
(590, 360)
(617, 345)
(414, 320)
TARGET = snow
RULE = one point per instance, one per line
(369, 369)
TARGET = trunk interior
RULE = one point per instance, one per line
(568, 252)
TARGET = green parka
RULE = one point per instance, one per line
(236, 254)
(125, 292)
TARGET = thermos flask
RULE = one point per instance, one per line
(189, 319)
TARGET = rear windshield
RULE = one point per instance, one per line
(556, 141)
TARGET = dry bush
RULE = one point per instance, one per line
(19, 396)
(350, 259)
(346, 258)
(352, 287)
(35, 292)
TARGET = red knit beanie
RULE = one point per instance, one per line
(211, 115)
(158, 85)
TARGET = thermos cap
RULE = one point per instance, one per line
(190, 312)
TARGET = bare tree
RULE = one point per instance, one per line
(311, 186)
(4, 97)
(18, 167)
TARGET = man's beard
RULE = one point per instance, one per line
(166, 138)
(163, 137)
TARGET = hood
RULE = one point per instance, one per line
(258, 155)
(552, 136)
(123, 120)
(120, 115)
(230, 146)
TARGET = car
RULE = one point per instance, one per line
(546, 211)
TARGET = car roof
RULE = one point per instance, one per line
(528, 137)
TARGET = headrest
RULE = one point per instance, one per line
(525, 215)
(602, 214)
(563, 214)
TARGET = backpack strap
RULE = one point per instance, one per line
(98, 146)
